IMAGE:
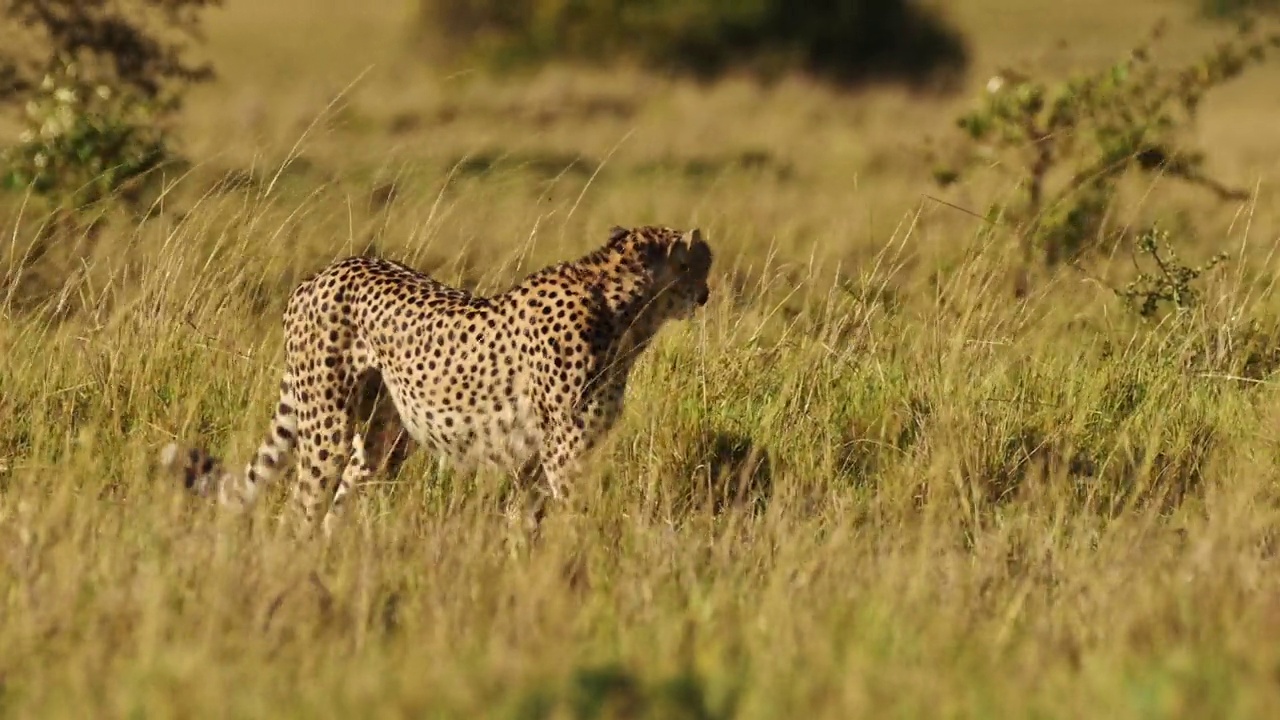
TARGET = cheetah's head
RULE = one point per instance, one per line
(678, 262)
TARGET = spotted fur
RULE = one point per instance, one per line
(527, 381)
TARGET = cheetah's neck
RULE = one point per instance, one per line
(629, 295)
(626, 292)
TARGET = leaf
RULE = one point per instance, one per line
(15, 179)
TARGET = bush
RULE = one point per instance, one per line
(1236, 8)
(135, 47)
(841, 40)
(1170, 281)
(1069, 144)
(92, 83)
(83, 143)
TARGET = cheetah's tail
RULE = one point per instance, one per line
(204, 474)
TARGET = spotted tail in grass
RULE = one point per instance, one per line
(204, 474)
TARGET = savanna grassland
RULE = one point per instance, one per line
(870, 480)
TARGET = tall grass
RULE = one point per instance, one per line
(866, 481)
(837, 492)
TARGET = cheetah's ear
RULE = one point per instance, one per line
(691, 238)
(617, 232)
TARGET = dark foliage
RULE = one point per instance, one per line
(846, 41)
(136, 46)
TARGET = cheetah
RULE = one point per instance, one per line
(526, 381)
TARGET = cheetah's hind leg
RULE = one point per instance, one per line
(380, 443)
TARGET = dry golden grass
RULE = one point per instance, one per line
(954, 503)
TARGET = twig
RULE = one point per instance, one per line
(1221, 376)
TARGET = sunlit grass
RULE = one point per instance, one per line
(868, 480)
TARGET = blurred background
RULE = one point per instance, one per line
(821, 125)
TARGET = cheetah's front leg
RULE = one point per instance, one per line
(564, 446)
(571, 433)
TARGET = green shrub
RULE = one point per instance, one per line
(1170, 281)
(1236, 8)
(842, 40)
(1069, 144)
(136, 47)
(92, 83)
(84, 142)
